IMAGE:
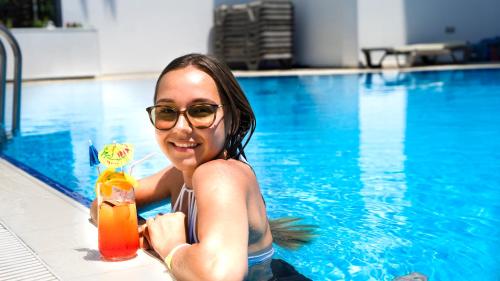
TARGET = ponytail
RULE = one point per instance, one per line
(290, 235)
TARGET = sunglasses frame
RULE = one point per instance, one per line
(183, 112)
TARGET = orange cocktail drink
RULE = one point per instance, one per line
(117, 216)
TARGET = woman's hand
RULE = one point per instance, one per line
(93, 212)
(144, 237)
(164, 232)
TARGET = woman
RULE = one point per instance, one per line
(218, 228)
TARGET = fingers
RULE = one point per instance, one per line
(149, 231)
(93, 211)
(143, 231)
(141, 228)
(149, 223)
(144, 243)
(179, 214)
(147, 238)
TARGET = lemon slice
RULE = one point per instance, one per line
(110, 178)
(119, 183)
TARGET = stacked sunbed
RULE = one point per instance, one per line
(255, 32)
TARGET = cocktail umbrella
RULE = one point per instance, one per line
(93, 157)
(116, 154)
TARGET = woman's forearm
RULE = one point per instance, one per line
(158, 186)
(196, 263)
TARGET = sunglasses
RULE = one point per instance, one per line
(200, 116)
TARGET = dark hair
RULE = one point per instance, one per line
(236, 105)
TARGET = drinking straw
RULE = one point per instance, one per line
(140, 161)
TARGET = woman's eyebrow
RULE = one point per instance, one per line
(165, 100)
(199, 100)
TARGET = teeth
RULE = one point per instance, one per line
(185, 145)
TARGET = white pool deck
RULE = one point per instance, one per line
(56, 228)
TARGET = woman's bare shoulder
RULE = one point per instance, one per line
(226, 172)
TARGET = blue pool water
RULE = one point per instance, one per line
(400, 171)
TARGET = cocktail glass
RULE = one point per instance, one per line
(117, 216)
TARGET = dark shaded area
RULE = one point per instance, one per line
(284, 271)
(29, 13)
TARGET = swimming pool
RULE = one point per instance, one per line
(400, 171)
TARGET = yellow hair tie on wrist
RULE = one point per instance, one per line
(168, 258)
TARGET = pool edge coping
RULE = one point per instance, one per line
(142, 264)
(280, 72)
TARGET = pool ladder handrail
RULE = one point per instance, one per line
(18, 60)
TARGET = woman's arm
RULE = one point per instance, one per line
(158, 186)
(221, 189)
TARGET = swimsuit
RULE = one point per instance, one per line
(192, 211)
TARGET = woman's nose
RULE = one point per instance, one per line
(182, 122)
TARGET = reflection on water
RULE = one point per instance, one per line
(382, 159)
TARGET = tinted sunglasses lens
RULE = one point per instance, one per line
(202, 115)
(164, 117)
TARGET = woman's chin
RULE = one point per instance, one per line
(185, 164)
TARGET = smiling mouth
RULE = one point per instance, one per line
(184, 146)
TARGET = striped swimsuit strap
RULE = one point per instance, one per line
(191, 211)
(261, 256)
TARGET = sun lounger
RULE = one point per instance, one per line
(413, 51)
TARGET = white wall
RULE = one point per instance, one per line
(326, 33)
(143, 36)
(399, 22)
(381, 23)
(426, 20)
(118, 37)
(55, 53)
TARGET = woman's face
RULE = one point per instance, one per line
(186, 146)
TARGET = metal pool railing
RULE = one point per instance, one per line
(16, 111)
